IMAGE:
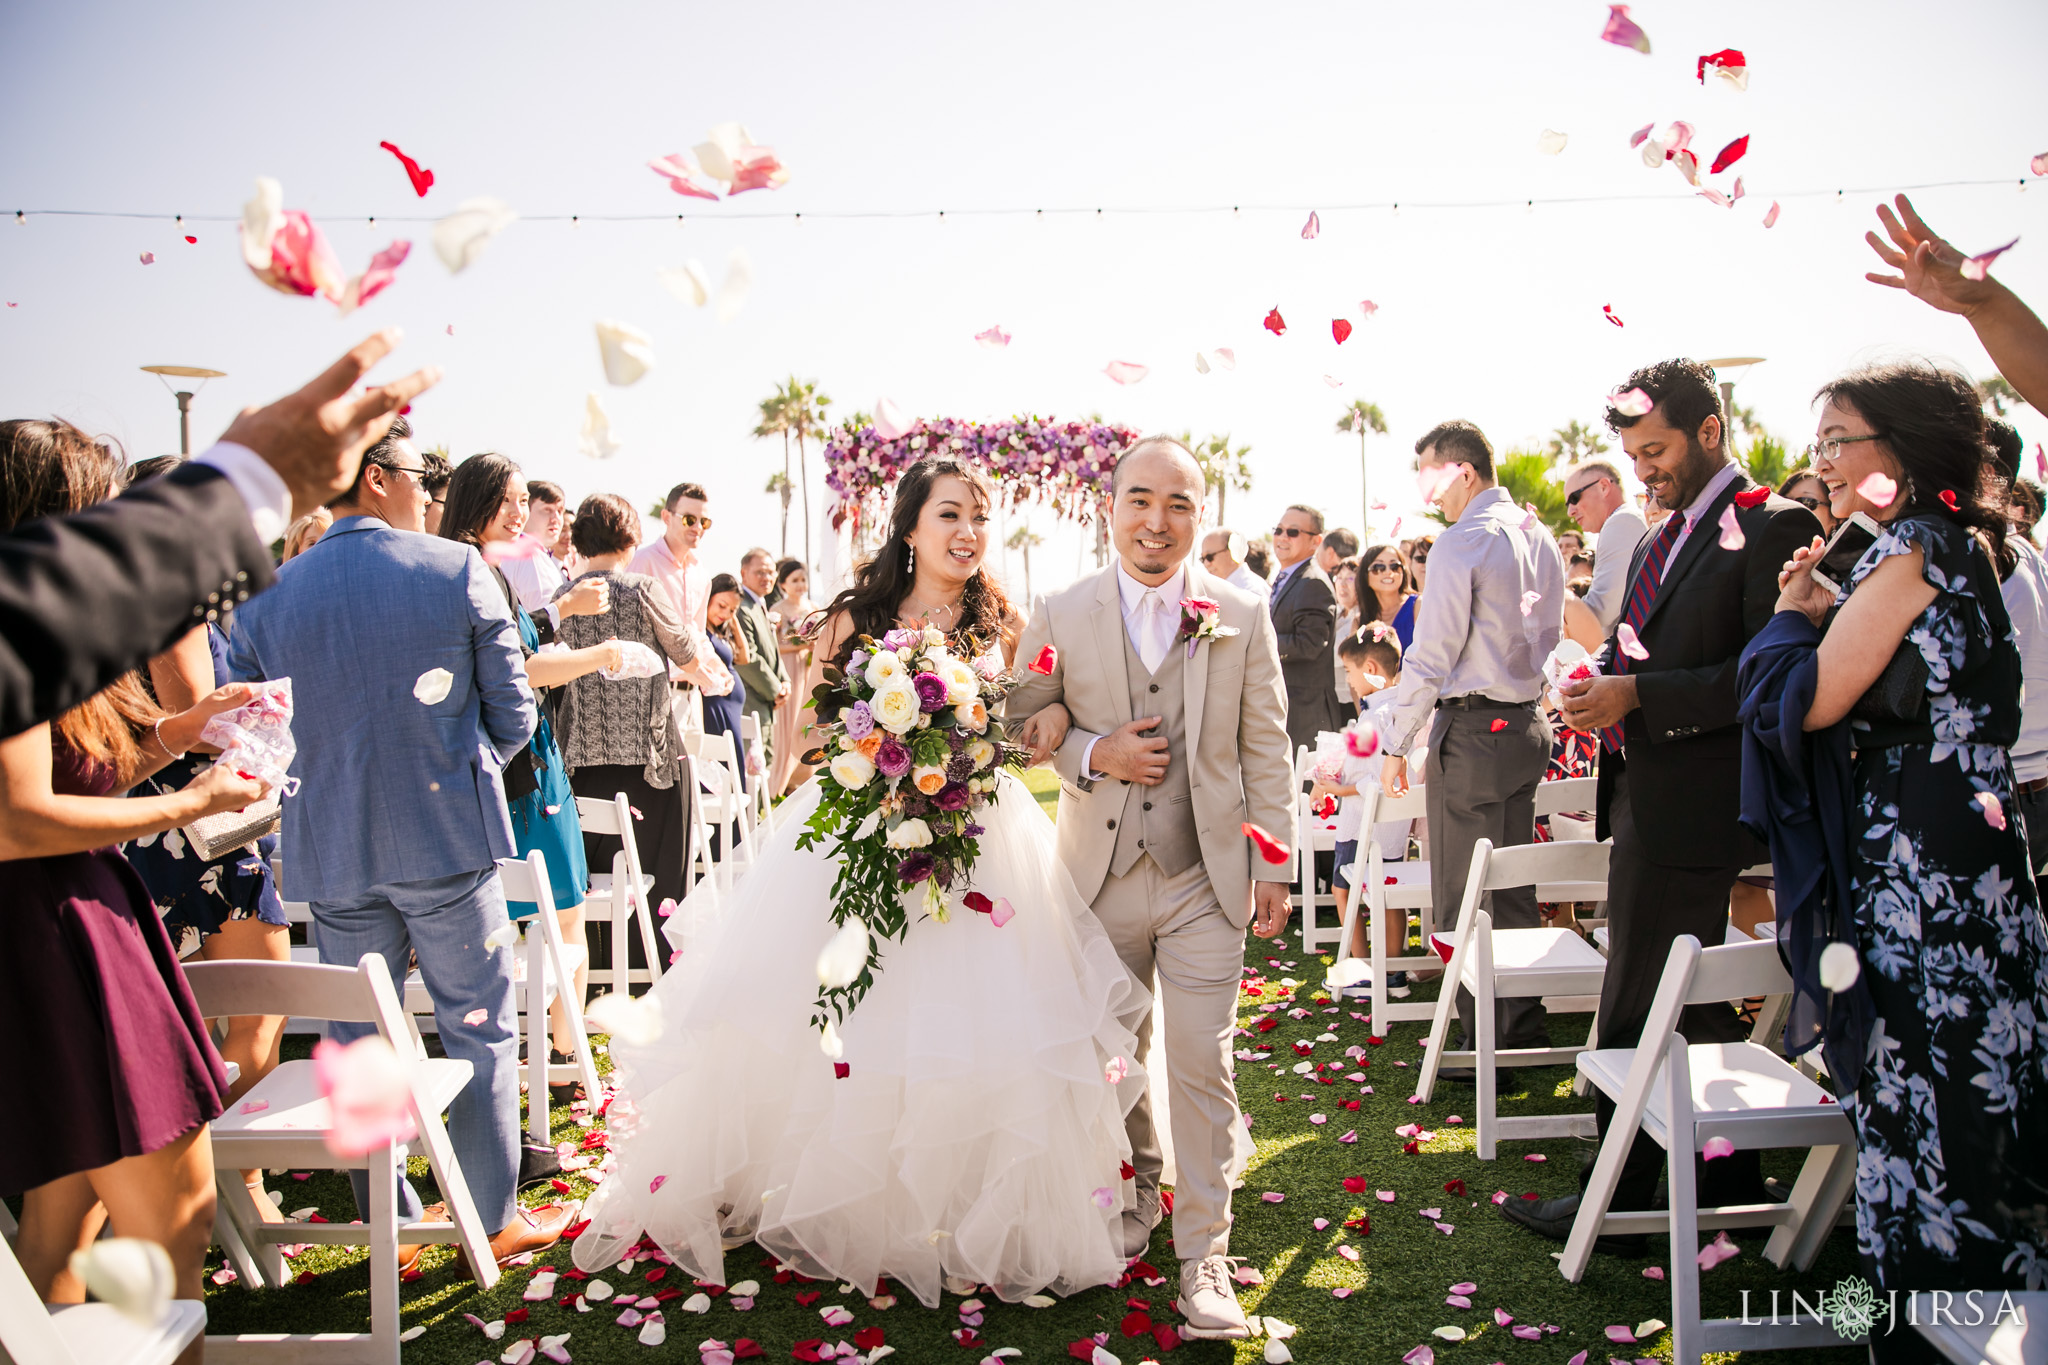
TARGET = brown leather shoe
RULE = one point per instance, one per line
(409, 1253)
(530, 1230)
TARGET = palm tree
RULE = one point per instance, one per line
(1023, 538)
(774, 420)
(779, 483)
(1223, 468)
(805, 407)
(1363, 418)
(1575, 441)
(1525, 476)
(1999, 395)
(1767, 460)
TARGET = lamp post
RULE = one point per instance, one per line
(1740, 364)
(184, 396)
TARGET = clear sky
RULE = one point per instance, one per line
(905, 109)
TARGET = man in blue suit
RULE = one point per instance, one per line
(410, 698)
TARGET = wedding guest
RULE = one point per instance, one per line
(1344, 581)
(1473, 678)
(411, 700)
(88, 597)
(1570, 543)
(1670, 771)
(1373, 659)
(439, 472)
(536, 578)
(1384, 593)
(487, 510)
(125, 1072)
(1258, 559)
(564, 548)
(1418, 563)
(673, 562)
(790, 608)
(1304, 611)
(1910, 692)
(2023, 507)
(624, 736)
(766, 682)
(1804, 487)
(730, 643)
(1595, 499)
(303, 534)
(1225, 555)
(1338, 546)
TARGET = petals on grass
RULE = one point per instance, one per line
(1421, 1355)
(1126, 371)
(1717, 1251)
(1623, 31)
(1977, 266)
(1272, 1198)
(1535, 1156)
(1731, 530)
(1653, 1272)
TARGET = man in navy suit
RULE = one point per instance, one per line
(411, 697)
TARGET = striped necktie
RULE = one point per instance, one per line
(1642, 595)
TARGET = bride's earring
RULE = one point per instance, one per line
(911, 567)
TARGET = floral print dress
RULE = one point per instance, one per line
(1952, 1115)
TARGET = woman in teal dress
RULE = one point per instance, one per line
(487, 508)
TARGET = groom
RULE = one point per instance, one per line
(1176, 743)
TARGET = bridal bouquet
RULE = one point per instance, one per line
(909, 753)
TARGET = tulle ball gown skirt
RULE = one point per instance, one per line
(977, 1134)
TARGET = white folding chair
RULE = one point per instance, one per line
(1684, 1095)
(1555, 965)
(1385, 890)
(542, 967)
(1314, 834)
(760, 810)
(283, 1122)
(89, 1333)
(719, 802)
(298, 912)
(620, 894)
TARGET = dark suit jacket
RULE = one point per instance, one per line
(763, 672)
(1684, 758)
(86, 598)
(1305, 627)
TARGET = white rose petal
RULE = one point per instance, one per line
(841, 960)
(595, 440)
(687, 282)
(635, 1020)
(132, 1275)
(460, 237)
(628, 353)
(732, 291)
(1839, 966)
(829, 1042)
(431, 687)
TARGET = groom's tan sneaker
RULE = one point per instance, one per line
(1208, 1302)
(1139, 1222)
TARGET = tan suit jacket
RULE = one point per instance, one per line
(1239, 764)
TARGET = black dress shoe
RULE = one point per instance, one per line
(1553, 1218)
(1458, 1075)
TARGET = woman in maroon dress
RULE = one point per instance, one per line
(92, 1000)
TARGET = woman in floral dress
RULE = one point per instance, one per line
(1951, 1109)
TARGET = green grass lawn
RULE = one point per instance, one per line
(1399, 1280)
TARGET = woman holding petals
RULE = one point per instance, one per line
(964, 1124)
(90, 988)
(1929, 993)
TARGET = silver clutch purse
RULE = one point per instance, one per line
(212, 835)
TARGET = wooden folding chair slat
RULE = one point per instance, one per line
(621, 895)
(549, 967)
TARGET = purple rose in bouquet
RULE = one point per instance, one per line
(857, 662)
(931, 692)
(952, 796)
(916, 868)
(897, 639)
(860, 721)
(893, 758)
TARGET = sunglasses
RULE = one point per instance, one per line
(692, 519)
(1421, 556)
(1213, 554)
(1810, 503)
(1572, 499)
(1384, 566)
(1291, 531)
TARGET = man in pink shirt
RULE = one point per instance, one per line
(672, 562)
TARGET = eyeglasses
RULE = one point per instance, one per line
(437, 502)
(1810, 503)
(692, 519)
(1831, 448)
(1211, 555)
(1291, 531)
(403, 469)
(1384, 566)
(1572, 499)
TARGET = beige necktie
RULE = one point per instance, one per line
(1152, 642)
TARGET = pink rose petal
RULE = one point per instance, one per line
(1524, 1332)
(1717, 1251)
(1104, 1198)
(1351, 1136)
(475, 1017)
(1313, 228)
(1349, 1253)
(1716, 1147)
(1976, 267)
(890, 423)
(1387, 1196)
(255, 1106)
(1771, 215)
(1634, 403)
(1445, 1228)
(1653, 1272)
(1340, 1293)
(1126, 371)
(368, 1092)
(1421, 1355)
(1529, 601)
(1731, 530)
(656, 1183)
(1271, 1198)
(1321, 1223)
(1625, 635)
(1502, 1317)
(1623, 31)
(1620, 1335)
(994, 339)
(1994, 812)
(1538, 1156)
(1458, 1301)
(1878, 489)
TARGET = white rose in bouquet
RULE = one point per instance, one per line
(852, 770)
(963, 684)
(884, 668)
(982, 753)
(910, 834)
(894, 705)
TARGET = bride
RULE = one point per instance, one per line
(977, 1136)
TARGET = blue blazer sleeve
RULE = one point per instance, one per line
(508, 712)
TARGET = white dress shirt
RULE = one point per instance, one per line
(2026, 601)
(1243, 577)
(535, 580)
(1151, 616)
(1471, 636)
(1619, 535)
(1696, 509)
(261, 487)
(689, 588)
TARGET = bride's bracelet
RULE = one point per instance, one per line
(159, 732)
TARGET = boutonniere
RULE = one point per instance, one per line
(1201, 619)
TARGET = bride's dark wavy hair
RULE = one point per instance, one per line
(883, 580)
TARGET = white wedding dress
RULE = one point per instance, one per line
(976, 1136)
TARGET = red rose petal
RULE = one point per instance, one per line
(978, 903)
(841, 1070)
(1753, 497)
(804, 1300)
(1948, 498)
(1340, 329)
(1498, 726)
(1729, 155)
(190, 241)
(867, 1338)
(1136, 1324)
(1271, 849)
(422, 180)
(518, 1315)
(1048, 659)
(1276, 324)
(1608, 309)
